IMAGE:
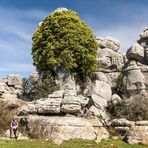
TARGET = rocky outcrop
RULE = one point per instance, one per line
(99, 95)
(56, 103)
(136, 67)
(133, 132)
(76, 113)
(59, 129)
(109, 42)
(13, 84)
(136, 52)
(133, 79)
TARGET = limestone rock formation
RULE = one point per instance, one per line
(76, 113)
(99, 95)
(13, 83)
(55, 104)
(109, 42)
(137, 135)
(136, 52)
(59, 129)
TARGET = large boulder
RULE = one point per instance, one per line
(99, 95)
(73, 104)
(136, 52)
(109, 42)
(11, 100)
(56, 103)
(59, 129)
(3, 88)
(15, 84)
(109, 60)
(133, 79)
(45, 106)
(137, 135)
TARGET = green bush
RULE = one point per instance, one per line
(133, 109)
(37, 89)
(5, 117)
(63, 39)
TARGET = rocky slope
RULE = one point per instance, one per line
(68, 114)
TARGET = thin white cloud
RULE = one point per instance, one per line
(16, 29)
(17, 67)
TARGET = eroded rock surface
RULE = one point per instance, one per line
(61, 129)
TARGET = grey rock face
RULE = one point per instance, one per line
(3, 88)
(14, 83)
(110, 60)
(137, 135)
(135, 132)
(144, 34)
(49, 105)
(136, 52)
(133, 78)
(59, 129)
(109, 42)
(122, 123)
(99, 95)
(115, 99)
(57, 103)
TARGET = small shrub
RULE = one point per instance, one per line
(5, 117)
(37, 89)
(133, 109)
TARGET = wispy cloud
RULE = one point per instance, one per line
(16, 67)
(16, 29)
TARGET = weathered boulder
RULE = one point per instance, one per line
(94, 112)
(122, 123)
(133, 78)
(50, 105)
(73, 104)
(14, 83)
(135, 52)
(99, 95)
(56, 103)
(42, 107)
(14, 80)
(109, 60)
(115, 99)
(109, 42)
(141, 123)
(3, 88)
(137, 135)
(59, 129)
(144, 34)
(34, 76)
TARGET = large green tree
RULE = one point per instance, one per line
(63, 39)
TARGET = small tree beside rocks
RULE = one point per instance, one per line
(134, 109)
(63, 39)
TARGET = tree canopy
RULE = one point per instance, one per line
(63, 39)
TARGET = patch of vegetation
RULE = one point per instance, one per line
(37, 89)
(63, 39)
(134, 109)
(5, 117)
(70, 144)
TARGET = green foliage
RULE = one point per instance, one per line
(62, 39)
(5, 117)
(135, 109)
(37, 89)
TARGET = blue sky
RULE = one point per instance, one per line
(122, 19)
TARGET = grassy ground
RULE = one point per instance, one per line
(70, 144)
